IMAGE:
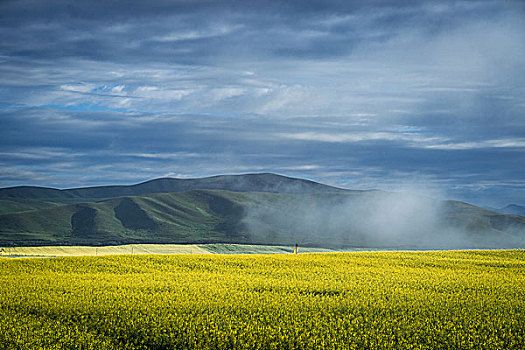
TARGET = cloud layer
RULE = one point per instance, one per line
(356, 94)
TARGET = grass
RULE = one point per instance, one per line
(20, 205)
(367, 300)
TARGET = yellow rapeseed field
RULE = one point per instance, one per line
(366, 300)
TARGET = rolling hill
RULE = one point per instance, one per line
(28, 198)
(248, 209)
(265, 182)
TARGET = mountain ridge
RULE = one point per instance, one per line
(253, 209)
(254, 182)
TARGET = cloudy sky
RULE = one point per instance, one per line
(358, 94)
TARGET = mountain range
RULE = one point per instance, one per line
(251, 209)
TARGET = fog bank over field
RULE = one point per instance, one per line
(406, 218)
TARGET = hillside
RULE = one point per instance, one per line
(265, 182)
(163, 218)
(27, 198)
(325, 219)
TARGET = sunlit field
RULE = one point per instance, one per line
(366, 300)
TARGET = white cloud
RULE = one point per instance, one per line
(213, 31)
(284, 98)
(412, 139)
(119, 89)
(166, 94)
(163, 156)
(220, 94)
(85, 87)
(499, 143)
(300, 167)
(36, 153)
(359, 137)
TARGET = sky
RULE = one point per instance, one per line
(356, 94)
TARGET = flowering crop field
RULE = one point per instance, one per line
(366, 300)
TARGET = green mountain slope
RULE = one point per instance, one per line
(178, 218)
(20, 205)
(326, 219)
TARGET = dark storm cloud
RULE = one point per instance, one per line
(356, 93)
(199, 32)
